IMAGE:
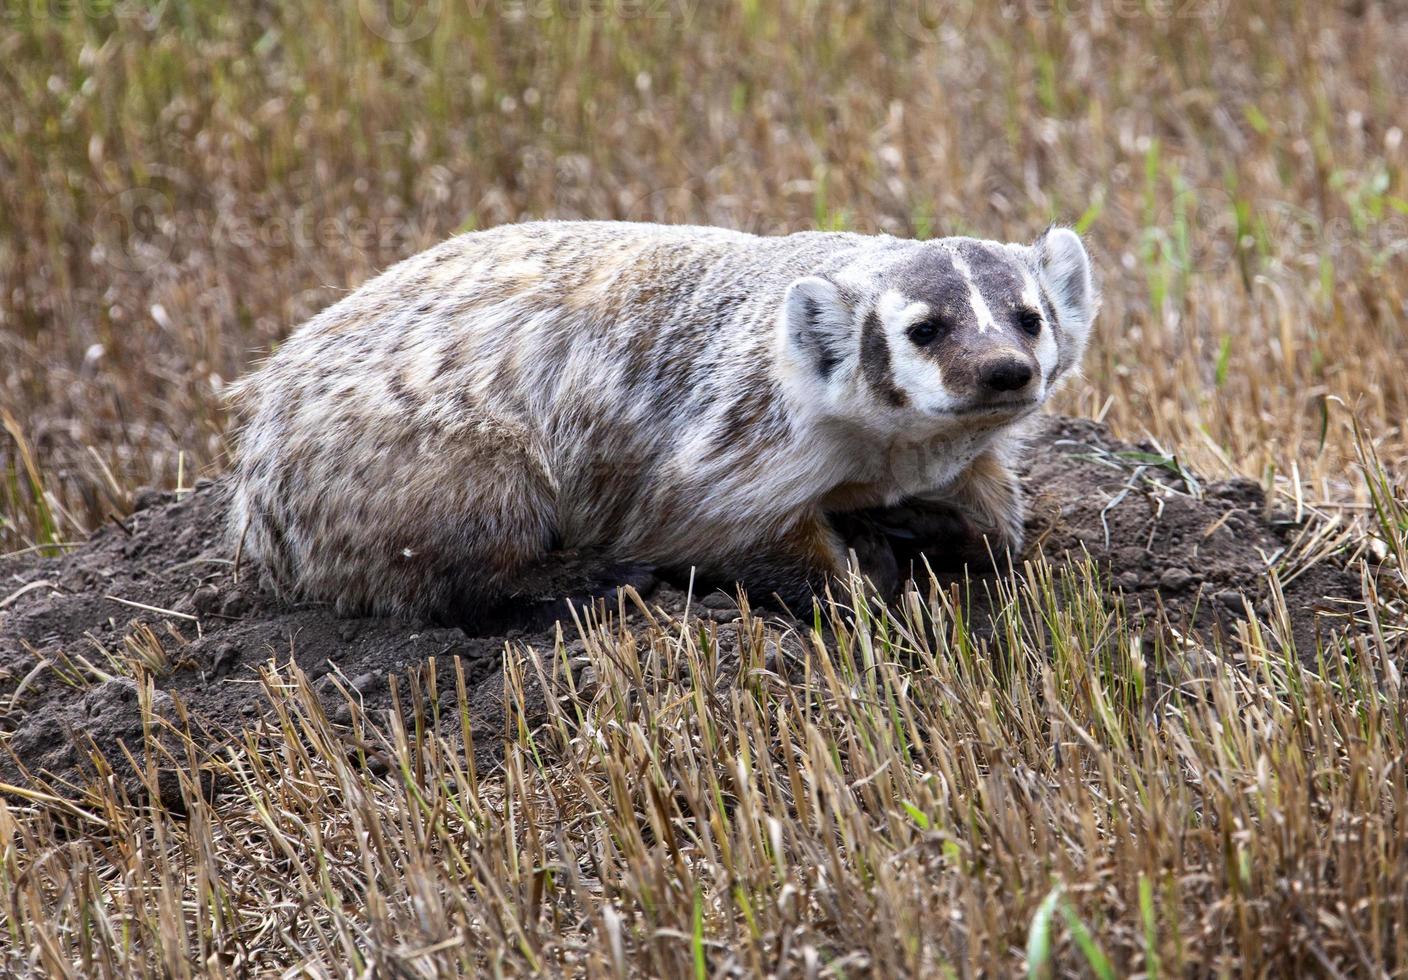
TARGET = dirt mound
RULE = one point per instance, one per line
(160, 588)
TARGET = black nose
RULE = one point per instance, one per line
(1006, 374)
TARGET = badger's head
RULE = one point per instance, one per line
(956, 332)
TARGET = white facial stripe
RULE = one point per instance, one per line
(981, 314)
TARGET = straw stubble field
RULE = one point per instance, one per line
(1067, 781)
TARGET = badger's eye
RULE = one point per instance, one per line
(1030, 322)
(924, 332)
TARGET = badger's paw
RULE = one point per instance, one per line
(870, 542)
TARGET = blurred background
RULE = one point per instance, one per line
(182, 183)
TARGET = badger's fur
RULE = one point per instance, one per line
(678, 396)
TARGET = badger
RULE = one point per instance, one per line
(555, 395)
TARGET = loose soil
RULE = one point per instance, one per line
(1189, 555)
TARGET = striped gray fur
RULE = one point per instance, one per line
(665, 394)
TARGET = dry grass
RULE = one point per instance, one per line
(888, 793)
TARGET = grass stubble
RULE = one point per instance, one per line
(886, 792)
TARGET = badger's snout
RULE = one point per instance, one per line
(1005, 373)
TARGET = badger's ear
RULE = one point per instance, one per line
(1064, 269)
(819, 325)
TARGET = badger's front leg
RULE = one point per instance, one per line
(989, 496)
(810, 555)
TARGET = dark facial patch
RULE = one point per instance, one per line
(875, 360)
